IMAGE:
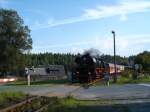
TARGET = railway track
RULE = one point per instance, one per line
(32, 104)
(37, 103)
(86, 86)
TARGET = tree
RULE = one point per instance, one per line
(144, 60)
(14, 40)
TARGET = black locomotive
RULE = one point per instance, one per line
(88, 69)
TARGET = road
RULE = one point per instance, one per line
(131, 97)
(127, 91)
(42, 90)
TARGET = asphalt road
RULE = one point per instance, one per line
(127, 91)
(42, 90)
(132, 97)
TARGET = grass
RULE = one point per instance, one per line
(69, 104)
(24, 82)
(9, 97)
(129, 76)
(125, 80)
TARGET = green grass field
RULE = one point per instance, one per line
(125, 80)
(70, 104)
(9, 97)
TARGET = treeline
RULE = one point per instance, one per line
(50, 59)
(119, 60)
(64, 59)
(143, 59)
(68, 60)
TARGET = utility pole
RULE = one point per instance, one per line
(115, 74)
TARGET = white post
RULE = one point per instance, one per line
(28, 77)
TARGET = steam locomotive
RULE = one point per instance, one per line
(88, 69)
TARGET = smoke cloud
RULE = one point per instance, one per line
(93, 53)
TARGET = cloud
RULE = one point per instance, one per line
(61, 48)
(125, 45)
(62, 45)
(4, 3)
(123, 17)
(54, 23)
(122, 9)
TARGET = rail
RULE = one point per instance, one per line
(29, 105)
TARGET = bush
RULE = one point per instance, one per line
(127, 73)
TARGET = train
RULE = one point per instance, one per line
(88, 69)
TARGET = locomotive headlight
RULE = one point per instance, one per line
(89, 73)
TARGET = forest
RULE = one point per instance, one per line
(143, 59)
(64, 59)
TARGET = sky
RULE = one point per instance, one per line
(72, 26)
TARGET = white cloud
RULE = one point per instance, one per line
(63, 45)
(123, 17)
(4, 3)
(54, 23)
(133, 44)
(122, 9)
(74, 47)
(125, 45)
